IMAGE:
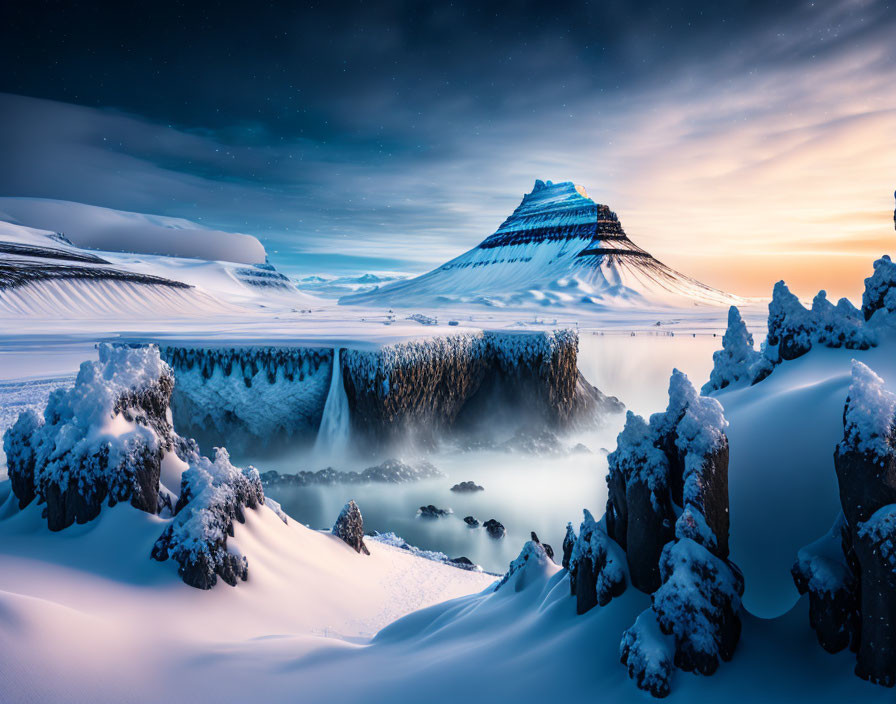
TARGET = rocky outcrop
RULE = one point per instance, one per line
(549, 551)
(494, 529)
(391, 471)
(597, 570)
(70, 462)
(349, 528)
(666, 531)
(850, 574)
(793, 330)
(103, 442)
(431, 511)
(470, 521)
(422, 389)
(467, 488)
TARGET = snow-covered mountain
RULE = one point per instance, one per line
(558, 248)
(43, 274)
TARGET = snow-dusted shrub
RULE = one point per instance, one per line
(879, 288)
(597, 570)
(648, 654)
(737, 359)
(103, 439)
(698, 604)
(213, 495)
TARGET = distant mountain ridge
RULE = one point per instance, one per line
(559, 247)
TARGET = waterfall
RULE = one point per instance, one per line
(332, 437)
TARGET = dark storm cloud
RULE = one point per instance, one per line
(406, 131)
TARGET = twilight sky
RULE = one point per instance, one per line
(740, 142)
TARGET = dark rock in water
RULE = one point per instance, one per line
(470, 521)
(464, 563)
(467, 487)
(495, 529)
(391, 471)
(548, 550)
(349, 527)
(431, 511)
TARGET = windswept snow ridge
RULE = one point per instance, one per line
(558, 248)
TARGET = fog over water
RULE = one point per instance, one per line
(524, 492)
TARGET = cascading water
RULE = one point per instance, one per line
(333, 435)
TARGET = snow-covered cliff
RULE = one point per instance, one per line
(418, 388)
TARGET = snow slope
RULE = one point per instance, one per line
(93, 227)
(558, 248)
(86, 616)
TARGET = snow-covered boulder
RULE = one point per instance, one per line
(107, 439)
(101, 441)
(349, 527)
(852, 590)
(698, 605)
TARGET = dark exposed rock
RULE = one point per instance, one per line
(391, 471)
(464, 563)
(494, 529)
(467, 488)
(349, 527)
(639, 510)
(470, 521)
(596, 571)
(425, 388)
(569, 541)
(431, 511)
